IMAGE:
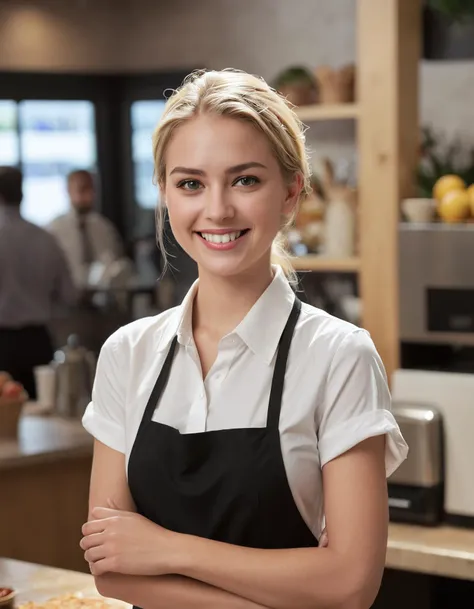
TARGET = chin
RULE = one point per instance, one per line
(224, 270)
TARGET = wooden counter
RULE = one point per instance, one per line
(44, 477)
(36, 583)
(441, 551)
(45, 484)
(445, 551)
(44, 438)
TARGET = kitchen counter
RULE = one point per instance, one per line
(445, 551)
(47, 444)
(44, 477)
(37, 583)
(44, 438)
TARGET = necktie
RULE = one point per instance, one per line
(86, 245)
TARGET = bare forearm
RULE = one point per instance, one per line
(167, 591)
(281, 579)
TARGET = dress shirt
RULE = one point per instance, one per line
(34, 276)
(335, 393)
(102, 239)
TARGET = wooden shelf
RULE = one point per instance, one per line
(321, 264)
(322, 112)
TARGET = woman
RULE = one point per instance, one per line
(221, 424)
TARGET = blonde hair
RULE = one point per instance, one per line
(243, 96)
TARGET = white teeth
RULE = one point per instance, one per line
(225, 238)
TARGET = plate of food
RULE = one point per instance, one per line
(75, 601)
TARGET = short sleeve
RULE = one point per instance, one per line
(104, 417)
(357, 403)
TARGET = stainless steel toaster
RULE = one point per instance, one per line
(416, 488)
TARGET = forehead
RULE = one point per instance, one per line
(217, 142)
(81, 180)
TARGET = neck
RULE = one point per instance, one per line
(222, 302)
(81, 211)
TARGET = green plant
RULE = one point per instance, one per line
(439, 158)
(294, 75)
(458, 10)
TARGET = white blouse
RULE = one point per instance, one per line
(335, 393)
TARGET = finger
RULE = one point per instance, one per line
(104, 512)
(91, 541)
(101, 566)
(93, 526)
(95, 554)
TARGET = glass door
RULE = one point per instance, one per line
(144, 116)
(56, 137)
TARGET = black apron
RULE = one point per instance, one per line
(228, 485)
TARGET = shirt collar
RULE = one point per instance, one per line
(260, 329)
(263, 325)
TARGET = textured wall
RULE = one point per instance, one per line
(261, 36)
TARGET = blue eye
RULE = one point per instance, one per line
(247, 181)
(190, 185)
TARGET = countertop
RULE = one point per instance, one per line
(442, 551)
(38, 583)
(44, 438)
(445, 551)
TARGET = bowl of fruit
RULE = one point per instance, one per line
(12, 399)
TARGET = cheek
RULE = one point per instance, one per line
(268, 212)
(182, 217)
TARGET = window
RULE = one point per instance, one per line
(144, 118)
(55, 138)
(9, 142)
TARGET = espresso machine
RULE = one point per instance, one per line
(436, 288)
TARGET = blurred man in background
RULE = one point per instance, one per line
(84, 234)
(34, 280)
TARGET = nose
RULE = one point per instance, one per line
(218, 205)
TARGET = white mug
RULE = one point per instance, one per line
(45, 379)
(419, 209)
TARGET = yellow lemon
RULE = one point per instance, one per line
(447, 183)
(470, 191)
(455, 206)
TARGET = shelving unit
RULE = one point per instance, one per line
(322, 112)
(388, 53)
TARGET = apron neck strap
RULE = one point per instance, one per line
(160, 383)
(276, 394)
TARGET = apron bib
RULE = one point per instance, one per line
(228, 485)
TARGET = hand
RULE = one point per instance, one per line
(125, 542)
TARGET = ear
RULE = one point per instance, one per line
(293, 194)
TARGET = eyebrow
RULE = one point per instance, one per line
(230, 170)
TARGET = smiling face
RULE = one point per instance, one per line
(226, 194)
